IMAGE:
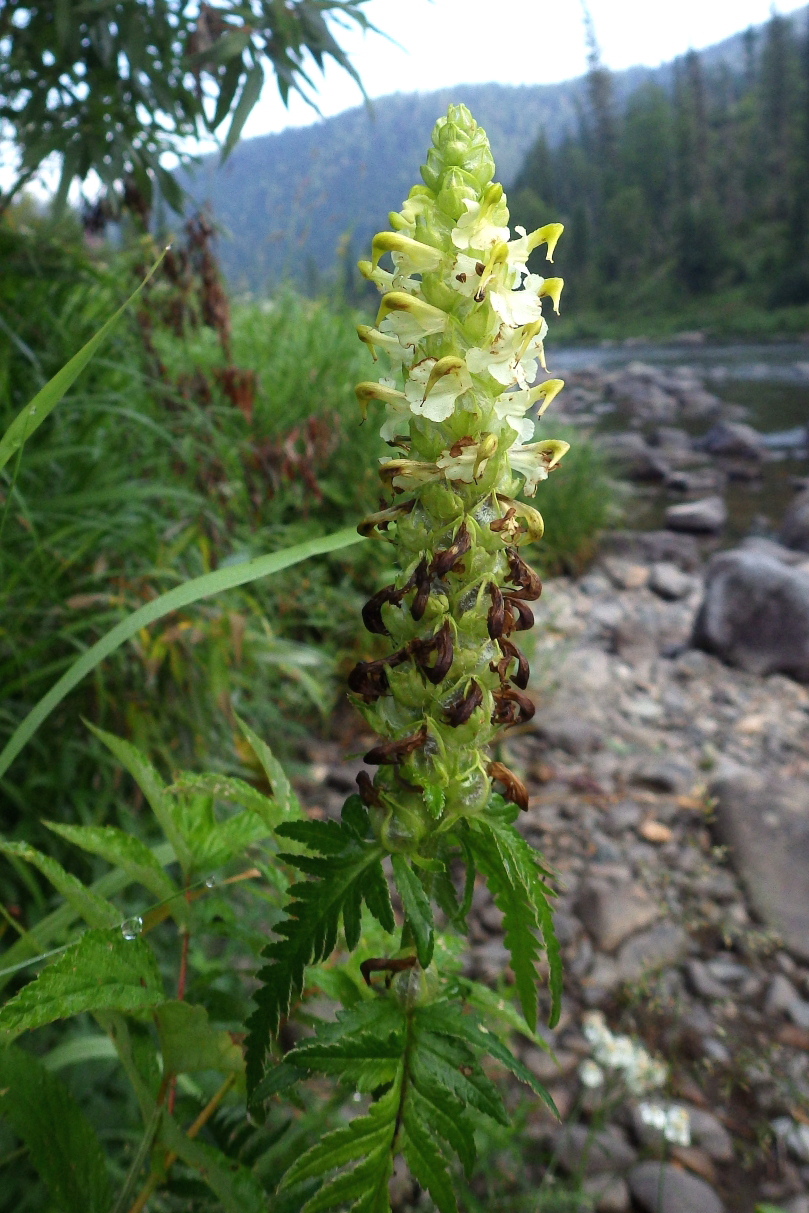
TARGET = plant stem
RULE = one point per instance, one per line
(171, 1158)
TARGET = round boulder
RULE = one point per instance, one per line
(755, 614)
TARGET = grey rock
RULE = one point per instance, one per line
(633, 642)
(795, 1137)
(755, 614)
(624, 816)
(664, 775)
(611, 914)
(795, 525)
(734, 439)
(798, 1204)
(650, 546)
(768, 547)
(625, 574)
(670, 582)
(764, 822)
(608, 1193)
(724, 968)
(717, 1052)
(591, 1152)
(698, 404)
(659, 1187)
(663, 945)
(550, 1067)
(708, 1132)
(570, 733)
(703, 982)
(634, 457)
(704, 517)
(781, 994)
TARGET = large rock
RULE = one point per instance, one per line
(755, 614)
(612, 913)
(764, 822)
(733, 439)
(634, 457)
(659, 1187)
(582, 1150)
(703, 517)
(795, 527)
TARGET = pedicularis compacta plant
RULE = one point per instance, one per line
(461, 328)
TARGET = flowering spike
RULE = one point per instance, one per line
(461, 321)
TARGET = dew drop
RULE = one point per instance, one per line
(132, 927)
(32, 412)
(211, 882)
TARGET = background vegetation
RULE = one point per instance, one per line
(686, 202)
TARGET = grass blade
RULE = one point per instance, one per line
(35, 412)
(181, 596)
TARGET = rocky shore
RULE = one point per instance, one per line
(668, 770)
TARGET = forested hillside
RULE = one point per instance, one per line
(693, 188)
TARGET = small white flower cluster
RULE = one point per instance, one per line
(669, 1119)
(640, 1071)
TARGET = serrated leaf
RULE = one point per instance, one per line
(61, 1142)
(94, 909)
(282, 791)
(361, 1137)
(426, 1163)
(307, 935)
(152, 786)
(189, 1043)
(417, 908)
(102, 971)
(519, 919)
(524, 863)
(445, 1116)
(232, 791)
(122, 850)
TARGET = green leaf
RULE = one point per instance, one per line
(426, 1162)
(95, 910)
(251, 91)
(417, 908)
(367, 1140)
(183, 595)
(232, 791)
(309, 932)
(79, 1050)
(189, 1043)
(61, 1142)
(525, 865)
(237, 1188)
(160, 800)
(56, 924)
(121, 850)
(102, 971)
(30, 418)
(363, 1048)
(282, 790)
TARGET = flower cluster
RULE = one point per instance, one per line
(461, 326)
(639, 1070)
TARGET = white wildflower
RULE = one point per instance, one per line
(591, 1075)
(671, 1120)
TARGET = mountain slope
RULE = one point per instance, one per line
(286, 201)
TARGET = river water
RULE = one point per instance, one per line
(770, 381)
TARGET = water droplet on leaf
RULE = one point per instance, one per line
(211, 882)
(132, 927)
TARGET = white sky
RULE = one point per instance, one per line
(446, 42)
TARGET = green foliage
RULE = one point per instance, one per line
(686, 192)
(426, 1060)
(416, 907)
(102, 971)
(189, 1043)
(62, 1143)
(346, 868)
(113, 89)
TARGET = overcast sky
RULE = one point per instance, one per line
(444, 42)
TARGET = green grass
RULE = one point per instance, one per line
(129, 489)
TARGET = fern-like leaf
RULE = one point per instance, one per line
(516, 880)
(344, 869)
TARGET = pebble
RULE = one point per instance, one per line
(581, 1149)
(706, 516)
(611, 914)
(670, 582)
(655, 949)
(663, 1188)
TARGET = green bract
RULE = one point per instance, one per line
(461, 327)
